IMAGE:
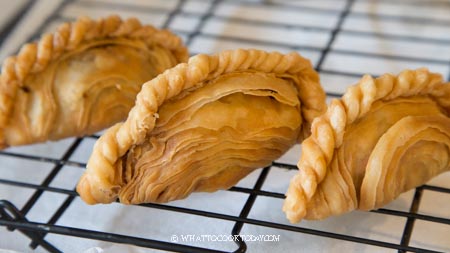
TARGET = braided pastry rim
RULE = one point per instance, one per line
(33, 58)
(117, 140)
(327, 131)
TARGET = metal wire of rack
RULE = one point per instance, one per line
(327, 45)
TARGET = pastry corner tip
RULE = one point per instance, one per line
(94, 192)
(84, 190)
(294, 208)
(293, 214)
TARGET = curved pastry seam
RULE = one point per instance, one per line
(34, 57)
(354, 104)
(141, 119)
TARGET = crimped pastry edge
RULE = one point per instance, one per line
(327, 131)
(34, 57)
(142, 118)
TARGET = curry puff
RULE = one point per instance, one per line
(203, 126)
(385, 136)
(80, 79)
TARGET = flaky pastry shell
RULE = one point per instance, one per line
(204, 125)
(383, 137)
(80, 79)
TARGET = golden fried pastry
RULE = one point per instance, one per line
(204, 125)
(80, 79)
(385, 136)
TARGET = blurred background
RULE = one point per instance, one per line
(344, 39)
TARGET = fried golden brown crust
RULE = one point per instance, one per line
(119, 164)
(22, 77)
(383, 137)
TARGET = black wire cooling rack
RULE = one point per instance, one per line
(17, 220)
